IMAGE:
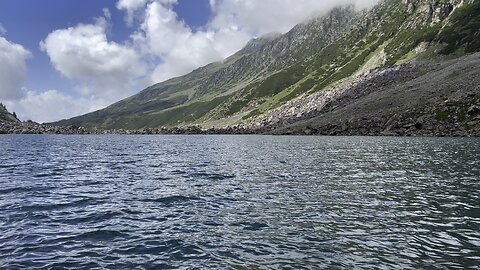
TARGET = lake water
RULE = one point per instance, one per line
(239, 202)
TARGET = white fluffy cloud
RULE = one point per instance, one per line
(106, 69)
(104, 72)
(178, 47)
(13, 69)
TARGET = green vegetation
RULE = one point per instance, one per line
(407, 57)
(463, 30)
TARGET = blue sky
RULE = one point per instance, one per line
(63, 58)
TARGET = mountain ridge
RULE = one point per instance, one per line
(310, 58)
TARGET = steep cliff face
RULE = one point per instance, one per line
(312, 57)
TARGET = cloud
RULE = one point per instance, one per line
(178, 47)
(13, 69)
(131, 7)
(261, 17)
(107, 14)
(103, 72)
(52, 105)
(104, 68)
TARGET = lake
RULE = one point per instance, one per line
(239, 202)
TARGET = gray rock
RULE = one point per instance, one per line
(474, 109)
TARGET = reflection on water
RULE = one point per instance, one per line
(239, 202)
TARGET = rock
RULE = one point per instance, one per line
(442, 12)
(308, 131)
(474, 109)
(422, 47)
(427, 10)
(410, 8)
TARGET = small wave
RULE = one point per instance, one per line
(58, 206)
(250, 226)
(172, 199)
(142, 249)
(13, 165)
(92, 218)
(23, 189)
(47, 174)
(212, 176)
(101, 235)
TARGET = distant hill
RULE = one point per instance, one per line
(7, 116)
(315, 56)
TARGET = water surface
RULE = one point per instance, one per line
(239, 202)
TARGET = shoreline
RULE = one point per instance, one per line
(401, 130)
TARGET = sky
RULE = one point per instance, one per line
(63, 58)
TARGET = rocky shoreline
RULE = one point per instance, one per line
(366, 127)
(29, 127)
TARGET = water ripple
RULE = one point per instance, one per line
(239, 202)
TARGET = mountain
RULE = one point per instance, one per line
(312, 59)
(7, 116)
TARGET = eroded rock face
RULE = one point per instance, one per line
(410, 5)
(442, 12)
(427, 10)
(437, 10)
(422, 47)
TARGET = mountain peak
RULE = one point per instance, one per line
(260, 41)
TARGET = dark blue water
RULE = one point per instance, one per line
(239, 202)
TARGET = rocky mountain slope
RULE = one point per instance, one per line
(427, 98)
(320, 61)
(7, 116)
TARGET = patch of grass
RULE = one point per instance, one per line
(252, 114)
(300, 89)
(185, 113)
(407, 57)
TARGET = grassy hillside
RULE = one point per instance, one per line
(312, 57)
